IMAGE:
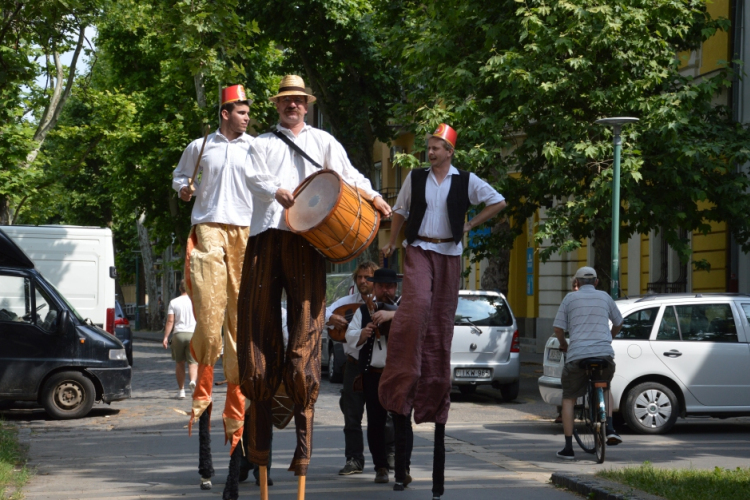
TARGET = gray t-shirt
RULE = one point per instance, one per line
(586, 314)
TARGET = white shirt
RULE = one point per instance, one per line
(182, 308)
(222, 196)
(379, 348)
(286, 169)
(284, 328)
(348, 299)
(436, 223)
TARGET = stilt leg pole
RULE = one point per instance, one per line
(301, 488)
(263, 482)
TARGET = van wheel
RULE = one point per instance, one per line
(651, 408)
(510, 391)
(68, 395)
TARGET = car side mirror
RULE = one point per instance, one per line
(62, 322)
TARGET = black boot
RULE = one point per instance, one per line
(205, 463)
(438, 463)
(232, 486)
(401, 424)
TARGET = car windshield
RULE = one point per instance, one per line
(483, 310)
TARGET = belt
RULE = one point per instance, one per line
(375, 370)
(351, 359)
(435, 240)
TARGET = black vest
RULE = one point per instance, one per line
(458, 204)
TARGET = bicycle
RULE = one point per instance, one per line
(590, 420)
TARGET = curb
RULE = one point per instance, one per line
(599, 489)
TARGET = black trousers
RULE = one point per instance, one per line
(352, 405)
(376, 420)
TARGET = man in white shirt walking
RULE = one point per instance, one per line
(363, 335)
(216, 249)
(417, 375)
(278, 260)
(180, 319)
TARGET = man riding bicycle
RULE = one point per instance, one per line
(585, 315)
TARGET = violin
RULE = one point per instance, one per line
(347, 311)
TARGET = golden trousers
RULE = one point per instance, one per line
(279, 260)
(215, 269)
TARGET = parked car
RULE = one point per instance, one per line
(486, 347)
(50, 354)
(123, 332)
(677, 355)
(78, 261)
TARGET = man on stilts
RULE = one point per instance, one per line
(434, 202)
(216, 250)
(278, 260)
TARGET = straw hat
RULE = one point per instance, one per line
(293, 85)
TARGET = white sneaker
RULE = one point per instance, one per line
(181, 394)
(192, 385)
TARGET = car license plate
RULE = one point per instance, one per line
(554, 355)
(472, 373)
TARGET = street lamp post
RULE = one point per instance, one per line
(616, 124)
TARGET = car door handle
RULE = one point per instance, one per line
(674, 353)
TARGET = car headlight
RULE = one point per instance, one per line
(117, 354)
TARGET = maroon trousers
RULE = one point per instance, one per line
(417, 371)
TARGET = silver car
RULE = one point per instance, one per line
(677, 355)
(486, 348)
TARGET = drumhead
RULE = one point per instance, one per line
(314, 202)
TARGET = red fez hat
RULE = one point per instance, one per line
(445, 132)
(235, 93)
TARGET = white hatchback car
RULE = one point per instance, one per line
(486, 347)
(676, 355)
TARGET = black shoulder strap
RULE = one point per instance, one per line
(292, 145)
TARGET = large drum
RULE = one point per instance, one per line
(335, 217)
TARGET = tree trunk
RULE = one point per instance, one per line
(5, 214)
(168, 287)
(149, 271)
(603, 258)
(497, 274)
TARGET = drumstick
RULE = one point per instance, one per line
(191, 186)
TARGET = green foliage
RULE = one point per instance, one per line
(338, 48)
(523, 83)
(13, 471)
(685, 484)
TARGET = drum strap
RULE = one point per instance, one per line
(292, 145)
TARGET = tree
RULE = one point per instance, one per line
(29, 32)
(530, 78)
(337, 46)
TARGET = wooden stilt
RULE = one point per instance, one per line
(301, 488)
(263, 482)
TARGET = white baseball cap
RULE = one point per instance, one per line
(585, 272)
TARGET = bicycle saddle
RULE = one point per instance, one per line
(593, 364)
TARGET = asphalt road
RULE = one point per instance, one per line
(139, 448)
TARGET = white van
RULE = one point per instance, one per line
(78, 261)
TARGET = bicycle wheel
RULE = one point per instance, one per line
(583, 428)
(600, 428)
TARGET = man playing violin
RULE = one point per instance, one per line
(372, 344)
(352, 403)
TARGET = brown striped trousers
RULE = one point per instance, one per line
(277, 260)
